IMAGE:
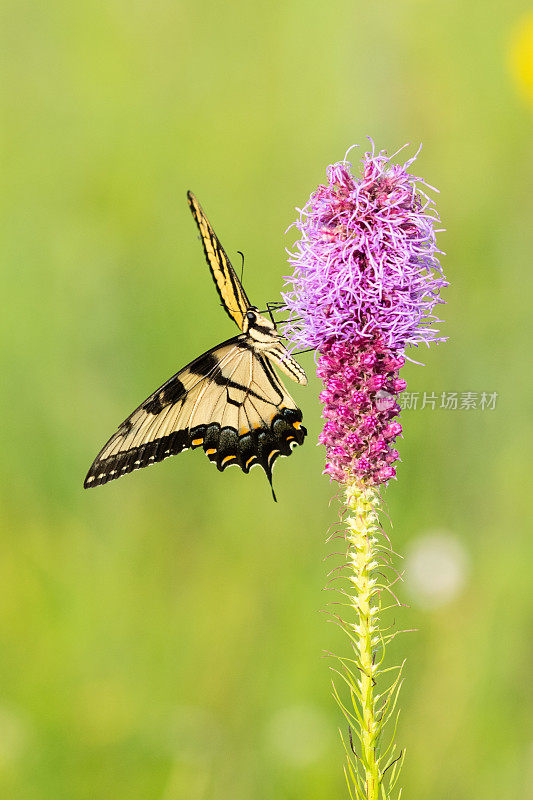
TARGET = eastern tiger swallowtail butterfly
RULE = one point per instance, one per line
(229, 401)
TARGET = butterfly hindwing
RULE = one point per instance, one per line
(228, 401)
(228, 285)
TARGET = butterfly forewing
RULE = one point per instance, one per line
(229, 401)
(228, 285)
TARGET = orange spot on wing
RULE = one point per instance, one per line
(272, 454)
(197, 441)
(297, 424)
(211, 451)
(228, 458)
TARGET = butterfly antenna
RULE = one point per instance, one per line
(274, 305)
(271, 314)
(292, 319)
(242, 267)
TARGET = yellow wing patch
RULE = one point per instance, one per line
(228, 285)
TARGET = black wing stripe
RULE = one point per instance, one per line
(162, 428)
(273, 379)
(238, 291)
(217, 378)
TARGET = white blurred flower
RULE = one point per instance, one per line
(298, 735)
(437, 568)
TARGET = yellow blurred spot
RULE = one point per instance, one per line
(299, 735)
(15, 736)
(521, 56)
(105, 713)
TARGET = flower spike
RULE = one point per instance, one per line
(366, 279)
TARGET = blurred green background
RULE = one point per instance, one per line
(161, 637)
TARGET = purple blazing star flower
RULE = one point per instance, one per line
(366, 278)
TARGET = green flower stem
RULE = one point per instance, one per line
(361, 541)
(367, 759)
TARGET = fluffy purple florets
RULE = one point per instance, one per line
(366, 279)
(366, 260)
